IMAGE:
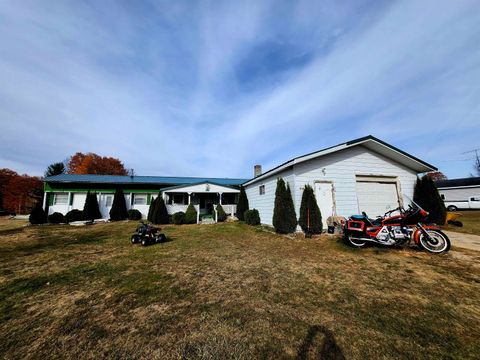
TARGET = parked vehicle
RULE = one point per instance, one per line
(147, 234)
(471, 203)
(397, 230)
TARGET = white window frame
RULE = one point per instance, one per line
(138, 197)
(261, 190)
(56, 198)
(108, 197)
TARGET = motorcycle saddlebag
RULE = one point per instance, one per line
(354, 225)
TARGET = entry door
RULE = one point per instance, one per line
(324, 195)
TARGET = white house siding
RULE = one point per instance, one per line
(265, 203)
(342, 167)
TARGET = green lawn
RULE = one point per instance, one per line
(229, 291)
(471, 223)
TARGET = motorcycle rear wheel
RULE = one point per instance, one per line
(438, 242)
(354, 242)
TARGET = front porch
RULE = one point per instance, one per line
(204, 197)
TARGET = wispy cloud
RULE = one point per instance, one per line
(210, 88)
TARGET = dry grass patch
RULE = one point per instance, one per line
(230, 291)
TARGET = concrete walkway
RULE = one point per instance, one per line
(467, 241)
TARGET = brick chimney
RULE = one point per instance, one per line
(257, 170)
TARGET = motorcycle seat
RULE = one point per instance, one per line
(376, 222)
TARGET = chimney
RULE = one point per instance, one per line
(257, 170)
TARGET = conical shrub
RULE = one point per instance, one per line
(284, 217)
(90, 209)
(38, 215)
(426, 195)
(242, 205)
(119, 207)
(310, 217)
(190, 215)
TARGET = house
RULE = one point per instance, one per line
(365, 174)
(460, 194)
(66, 192)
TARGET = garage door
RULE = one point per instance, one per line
(376, 197)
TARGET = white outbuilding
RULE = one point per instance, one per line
(365, 174)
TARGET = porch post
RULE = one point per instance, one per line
(220, 201)
(44, 200)
(189, 198)
(69, 201)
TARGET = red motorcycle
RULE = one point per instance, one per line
(397, 230)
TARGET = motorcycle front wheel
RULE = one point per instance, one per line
(437, 242)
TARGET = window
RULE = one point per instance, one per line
(475, 199)
(108, 200)
(140, 199)
(179, 199)
(261, 189)
(60, 199)
(442, 196)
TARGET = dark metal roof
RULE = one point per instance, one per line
(470, 181)
(153, 180)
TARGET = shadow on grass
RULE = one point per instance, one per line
(329, 349)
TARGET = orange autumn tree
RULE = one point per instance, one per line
(91, 163)
(20, 192)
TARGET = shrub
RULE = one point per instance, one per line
(284, 217)
(221, 215)
(90, 209)
(252, 217)
(309, 212)
(178, 218)
(151, 209)
(134, 214)
(38, 215)
(74, 215)
(426, 195)
(159, 213)
(190, 215)
(56, 218)
(242, 205)
(119, 207)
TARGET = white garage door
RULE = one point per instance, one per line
(376, 198)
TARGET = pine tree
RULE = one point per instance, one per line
(55, 169)
(190, 215)
(310, 212)
(160, 212)
(284, 218)
(119, 207)
(426, 195)
(90, 209)
(221, 215)
(151, 209)
(242, 205)
(38, 215)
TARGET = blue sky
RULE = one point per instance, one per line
(212, 88)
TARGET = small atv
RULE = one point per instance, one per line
(147, 234)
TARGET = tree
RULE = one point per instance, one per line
(119, 207)
(242, 205)
(91, 163)
(160, 212)
(190, 215)
(151, 209)
(38, 215)
(476, 165)
(221, 214)
(284, 217)
(436, 175)
(310, 216)
(20, 192)
(426, 195)
(90, 209)
(55, 169)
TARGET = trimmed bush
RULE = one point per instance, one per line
(242, 205)
(178, 218)
(38, 215)
(56, 218)
(284, 217)
(160, 213)
(309, 210)
(190, 215)
(119, 207)
(221, 214)
(252, 217)
(151, 209)
(134, 214)
(74, 215)
(90, 209)
(426, 195)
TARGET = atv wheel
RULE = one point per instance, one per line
(134, 239)
(161, 238)
(145, 242)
